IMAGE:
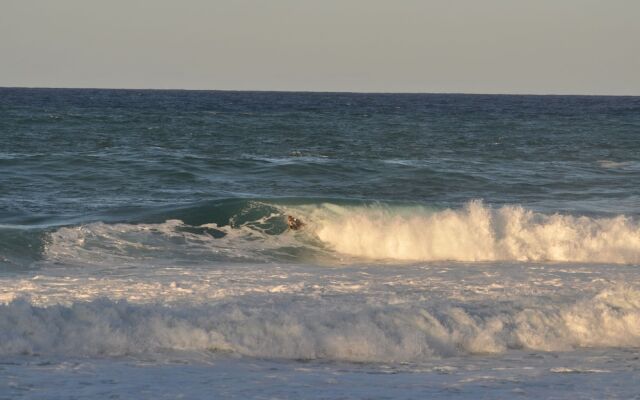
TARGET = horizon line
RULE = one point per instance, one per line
(313, 91)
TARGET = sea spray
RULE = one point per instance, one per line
(475, 232)
(349, 233)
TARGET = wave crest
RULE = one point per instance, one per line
(475, 233)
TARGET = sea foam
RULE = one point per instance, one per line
(334, 329)
(474, 233)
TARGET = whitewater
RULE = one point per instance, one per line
(453, 246)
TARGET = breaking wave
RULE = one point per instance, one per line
(475, 233)
(350, 232)
(332, 329)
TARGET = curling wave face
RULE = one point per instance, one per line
(352, 233)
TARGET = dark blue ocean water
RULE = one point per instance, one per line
(453, 245)
(70, 156)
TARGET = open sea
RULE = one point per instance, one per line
(454, 246)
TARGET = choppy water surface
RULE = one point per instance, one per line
(454, 245)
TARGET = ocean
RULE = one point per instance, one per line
(453, 246)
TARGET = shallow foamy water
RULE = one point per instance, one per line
(281, 331)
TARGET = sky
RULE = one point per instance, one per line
(433, 46)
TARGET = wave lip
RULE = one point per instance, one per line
(475, 233)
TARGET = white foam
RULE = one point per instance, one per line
(474, 233)
(168, 242)
(292, 328)
(624, 165)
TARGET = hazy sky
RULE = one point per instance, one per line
(472, 46)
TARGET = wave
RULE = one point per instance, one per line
(333, 328)
(170, 242)
(19, 247)
(344, 232)
(474, 233)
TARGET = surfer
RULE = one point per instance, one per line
(294, 223)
